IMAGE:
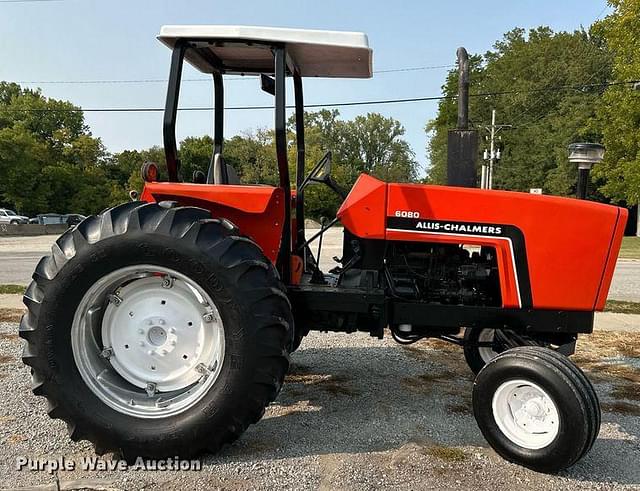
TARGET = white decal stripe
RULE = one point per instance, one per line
(513, 259)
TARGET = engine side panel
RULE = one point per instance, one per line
(257, 210)
(552, 252)
(363, 211)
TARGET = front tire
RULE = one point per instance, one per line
(536, 408)
(146, 245)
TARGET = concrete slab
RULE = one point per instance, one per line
(609, 321)
(9, 301)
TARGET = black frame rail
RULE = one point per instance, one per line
(427, 318)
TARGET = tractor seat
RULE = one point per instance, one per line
(219, 175)
(232, 175)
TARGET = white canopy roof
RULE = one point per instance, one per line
(314, 53)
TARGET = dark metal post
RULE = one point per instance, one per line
(218, 109)
(284, 258)
(462, 144)
(585, 155)
(171, 110)
(218, 125)
(300, 163)
(583, 183)
(463, 89)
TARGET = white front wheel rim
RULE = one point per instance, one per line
(526, 414)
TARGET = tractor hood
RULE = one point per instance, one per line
(554, 253)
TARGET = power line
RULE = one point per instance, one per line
(604, 67)
(234, 108)
(414, 69)
(28, 1)
(604, 9)
(587, 49)
(200, 79)
(331, 104)
(123, 81)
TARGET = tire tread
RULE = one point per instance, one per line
(217, 239)
(575, 379)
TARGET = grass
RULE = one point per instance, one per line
(630, 248)
(461, 408)
(607, 344)
(333, 384)
(607, 358)
(423, 383)
(16, 438)
(4, 289)
(621, 407)
(11, 315)
(628, 391)
(621, 307)
(448, 454)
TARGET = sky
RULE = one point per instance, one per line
(90, 40)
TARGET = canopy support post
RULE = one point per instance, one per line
(284, 258)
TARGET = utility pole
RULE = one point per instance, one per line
(636, 86)
(492, 155)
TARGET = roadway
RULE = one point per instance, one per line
(19, 256)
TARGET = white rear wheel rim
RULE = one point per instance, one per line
(487, 353)
(148, 341)
(526, 414)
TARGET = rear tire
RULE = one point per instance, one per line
(478, 356)
(229, 269)
(536, 408)
(297, 341)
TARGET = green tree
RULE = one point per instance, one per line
(195, 154)
(48, 157)
(524, 74)
(124, 171)
(445, 119)
(253, 156)
(320, 137)
(50, 162)
(21, 158)
(54, 121)
(619, 110)
(372, 144)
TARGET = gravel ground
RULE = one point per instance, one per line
(356, 413)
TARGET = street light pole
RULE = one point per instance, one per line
(492, 149)
(583, 182)
(585, 155)
(636, 86)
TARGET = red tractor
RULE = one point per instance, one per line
(164, 326)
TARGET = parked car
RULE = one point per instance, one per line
(70, 219)
(47, 219)
(10, 216)
(73, 219)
